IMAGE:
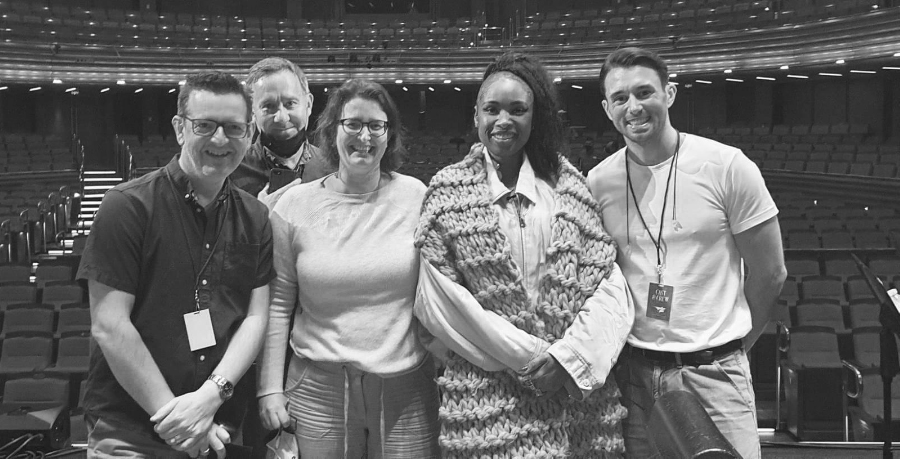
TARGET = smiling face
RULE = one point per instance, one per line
(217, 156)
(361, 153)
(637, 103)
(503, 115)
(280, 105)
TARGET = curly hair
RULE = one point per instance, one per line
(328, 122)
(548, 138)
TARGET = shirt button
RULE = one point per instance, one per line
(199, 210)
(202, 358)
(207, 246)
(585, 383)
(204, 282)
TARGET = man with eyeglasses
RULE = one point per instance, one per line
(177, 266)
(280, 152)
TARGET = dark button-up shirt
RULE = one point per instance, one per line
(261, 167)
(151, 239)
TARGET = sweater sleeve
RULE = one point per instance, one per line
(453, 315)
(282, 302)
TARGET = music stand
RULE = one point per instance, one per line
(890, 362)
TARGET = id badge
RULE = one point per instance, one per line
(199, 329)
(659, 301)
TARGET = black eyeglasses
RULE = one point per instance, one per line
(377, 128)
(207, 128)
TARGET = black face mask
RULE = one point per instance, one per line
(283, 148)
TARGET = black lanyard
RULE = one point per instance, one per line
(658, 242)
(187, 241)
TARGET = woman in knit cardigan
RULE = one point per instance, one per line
(517, 278)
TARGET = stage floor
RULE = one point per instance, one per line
(781, 445)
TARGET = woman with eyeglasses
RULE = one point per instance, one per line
(359, 383)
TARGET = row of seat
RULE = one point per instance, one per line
(43, 273)
(842, 268)
(834, 289)
(36, 392)
(55, 294)
(44, 320)
(32, 353)
(35, 12)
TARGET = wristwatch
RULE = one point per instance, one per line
(226, 389)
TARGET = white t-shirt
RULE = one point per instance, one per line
(715, 192)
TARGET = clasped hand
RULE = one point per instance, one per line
(186, 422)
(545, 375)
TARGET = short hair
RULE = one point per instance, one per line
(215, 82)
(547, 139)
(328, 122)
(271, 65)
(631, 57)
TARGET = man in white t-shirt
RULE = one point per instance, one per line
(685, 212)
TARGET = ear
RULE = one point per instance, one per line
(309, 102)
(178, 126)
(606, 108)
(671, 90)
(475, 116)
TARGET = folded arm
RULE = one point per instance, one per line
(453, 315)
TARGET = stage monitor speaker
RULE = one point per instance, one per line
(51, 423)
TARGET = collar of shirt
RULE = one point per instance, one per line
(184, 188)
(526, 184)
(304, 152)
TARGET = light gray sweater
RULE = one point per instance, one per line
(348, 262)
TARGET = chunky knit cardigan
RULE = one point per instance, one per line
(490, 414)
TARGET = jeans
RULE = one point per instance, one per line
(342, 412)
(723, 387)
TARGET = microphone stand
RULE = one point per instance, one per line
(889, 361)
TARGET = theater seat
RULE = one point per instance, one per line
(811, 371)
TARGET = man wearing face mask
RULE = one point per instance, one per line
(280, 152)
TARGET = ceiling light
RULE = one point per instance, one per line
(405, 89)
(736, 80)
(896, 54)
(71, 89)
(765, 78)
(576, 86)
(398, 81)
(4, 88)
(673, 75)
(557, 80)
(171, 90)
(784, 67)
(36, 88)
(704, 81)
(120, 82)
(868, 72)
(891, 68)
(138, 90)
(447, 82)
(830, 74)
(839, 61)
(57, 81)
(431, 89)
(727, 70)
(104, 90)
(182, 82)
(456, 88)
(803, 77)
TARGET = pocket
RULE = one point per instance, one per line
(297, 370)
(734, 369)
(240, 267)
